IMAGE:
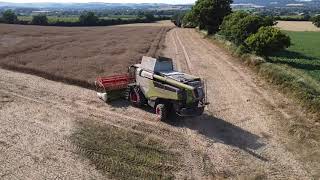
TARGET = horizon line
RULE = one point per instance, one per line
(94, 2)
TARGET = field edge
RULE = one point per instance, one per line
(283, 80)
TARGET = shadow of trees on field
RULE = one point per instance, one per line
(293, 55)
(300, 65)
(223, 132)
(296, 60)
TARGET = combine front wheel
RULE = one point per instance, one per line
(162, 112)
(136, 97)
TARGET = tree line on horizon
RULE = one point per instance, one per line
(85, 19)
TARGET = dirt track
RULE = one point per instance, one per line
(242, 134)
(238, 137)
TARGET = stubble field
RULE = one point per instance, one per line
(51, 130)
(297, 26)
(77, 55)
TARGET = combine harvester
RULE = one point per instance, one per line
(154, 82)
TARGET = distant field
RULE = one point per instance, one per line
(53, 19)
(120, 16)
(292, 17)
(304, 54)
(297, 26)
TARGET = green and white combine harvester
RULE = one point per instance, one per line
(154, 82)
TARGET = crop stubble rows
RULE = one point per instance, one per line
(77, 55)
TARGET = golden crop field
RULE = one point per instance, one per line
(297, 26)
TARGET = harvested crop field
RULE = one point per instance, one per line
(297, 26)
(77, 55)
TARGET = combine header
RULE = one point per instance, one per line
(154, 82)
(112, 87)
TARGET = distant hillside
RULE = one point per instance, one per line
(280, 3)
(85, 6)
(156, 6)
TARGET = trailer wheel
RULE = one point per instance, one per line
(136, 97)
(162, 112)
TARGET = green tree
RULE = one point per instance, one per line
(306, 17)
(177, 18)
(40, 19)
(316, 20)
(88, 19)
(149, 16)
(238, 26)
(189, 20)
(9, 16)
(140, 14)
(267, 41)
(210, 13)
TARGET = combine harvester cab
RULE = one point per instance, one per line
(154, 82)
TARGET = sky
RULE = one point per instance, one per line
(107, 1)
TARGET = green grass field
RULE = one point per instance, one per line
(120, 16)
(297, 69)
(296, 73)
(292, 17)
(53, 19)
(303, 55)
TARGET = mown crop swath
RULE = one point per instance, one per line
(123, 154)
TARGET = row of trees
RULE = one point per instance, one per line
(306, 17)
(10, 17)
(251, 33)
(85, 19)
(91, 19)
(315, 19)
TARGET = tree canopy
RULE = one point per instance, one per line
(9, 17)
(40, 19)
(177, 18)
(149, 16)
(88, 19)
(316, 21)
(268, 40)
(238, 26)
(209, 14)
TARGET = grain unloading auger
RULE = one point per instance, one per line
(154, 82)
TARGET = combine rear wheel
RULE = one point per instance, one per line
(162, 112)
